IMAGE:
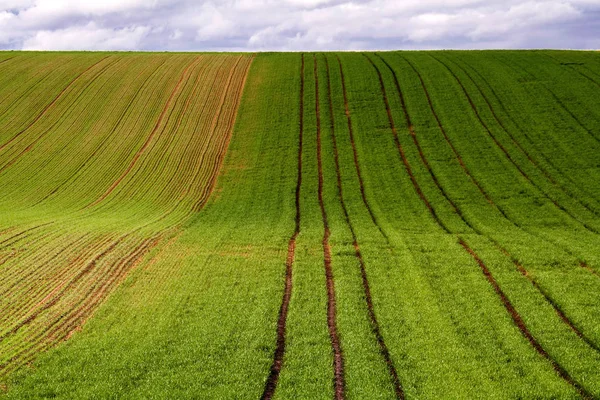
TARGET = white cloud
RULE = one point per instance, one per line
(296, 24)
(88, 37)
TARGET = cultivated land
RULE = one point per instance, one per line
(378, 225)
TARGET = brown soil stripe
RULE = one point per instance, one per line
(355, 154)
(522, 327)
(45, 109)
(338, 358)
(516, 316)
(271, 383)
(365, 281)
(139, 153)
(407, 166)
(464, 167)
(519, 266)
(585, 266)
(509, 157)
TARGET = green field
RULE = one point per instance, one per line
(417, 225)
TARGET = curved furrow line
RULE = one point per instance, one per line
(150, 137)
(165, 147)
(355, 154)
(49, 106)
(516, 317)
(38, 270)
(338, 357)
(561, 104)
(106, 139)
(207, 190)
(189, 143)
(358, 254)
(457, 209)
(170, 152)
(44, 133)
(56, 295)
(7, 59)
(66, 324)
(42, 294)
(30, 87)
(271, 382)
(523, 131)
(402, 154)
(179, 124)
(19, 235)
(70, 119)
(511, 159)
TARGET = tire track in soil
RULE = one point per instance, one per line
(355, 154)
(510, 158)
(271, 382)
(47, 107)
(523, 328)
(139, 153)
(338, 357)
(516, 142)
(516, 317)
(471, 177)
(358, 254)
(504, 251)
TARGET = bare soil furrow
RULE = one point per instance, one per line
(363, 272)
(271, 382)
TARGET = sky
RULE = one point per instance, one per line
(293, 25)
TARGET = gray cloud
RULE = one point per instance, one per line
(297, 24)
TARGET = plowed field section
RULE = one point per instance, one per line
(123, 151)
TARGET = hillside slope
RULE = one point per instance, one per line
(385, 225)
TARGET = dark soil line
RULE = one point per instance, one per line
(585, 266)
(355, 154)
(338, 357)
(221, 158)
(365, 281)
(510, 158)
(271, 383)
(555, 306)
(139, 153)
(407, 166)
(516, 317)
(7, 59)
(20, 234)
(466, 170)
(520, 267)
(47, 107)
(519, 146)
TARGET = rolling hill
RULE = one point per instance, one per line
(300, 225)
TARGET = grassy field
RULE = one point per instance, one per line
(297, 225)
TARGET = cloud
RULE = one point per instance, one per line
(297, 24)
